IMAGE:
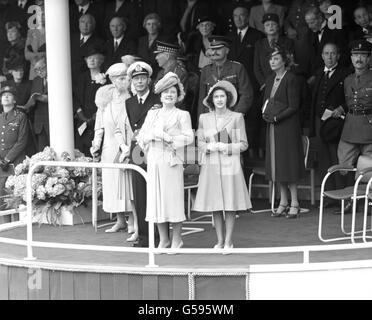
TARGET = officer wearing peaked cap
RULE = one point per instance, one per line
(13, 138)
(356, 138)
(224, 69)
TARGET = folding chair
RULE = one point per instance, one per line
(360, 190)
(261, 171)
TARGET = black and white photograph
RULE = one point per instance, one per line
(188, 155)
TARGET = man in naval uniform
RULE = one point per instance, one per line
(356, 138)
(224, 69)
(137, 108)
(13, 139)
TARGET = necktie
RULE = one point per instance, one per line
(327, 74)
(81, 11)
(116, 45)
(240, 36)
(140, 101)
(81, 41)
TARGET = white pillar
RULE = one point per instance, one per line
(57, 26)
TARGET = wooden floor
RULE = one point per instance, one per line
(251, 231)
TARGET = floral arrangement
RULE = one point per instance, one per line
(53, 188)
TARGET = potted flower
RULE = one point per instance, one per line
(59, 195)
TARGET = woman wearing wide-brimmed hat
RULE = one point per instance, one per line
(221, 139)
(165, 133)
(113, 132)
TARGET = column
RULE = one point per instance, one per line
(59, 76)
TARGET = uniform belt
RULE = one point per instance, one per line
(360, 112)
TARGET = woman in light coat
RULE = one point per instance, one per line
(221, 139)
(111, 115)
(165, 133)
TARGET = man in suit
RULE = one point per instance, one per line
(81, 42)
(318, 35)
(137, 108)
(81, 7)
(224, 69)
(39, 105)
(327, 104)
(363, 23)
(130, 11)
(118, 45)
(242, 50)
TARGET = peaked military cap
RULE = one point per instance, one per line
(270, 17)
(360, 46)
(138, 68)
(9, 89)
(217, 42)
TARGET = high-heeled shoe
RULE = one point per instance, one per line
(218, 246)
(281, 211)
(166, 246)
(130, 230)
(116, 228)
(227, 247)
(133, 237)
(294, 214)
(180, 245)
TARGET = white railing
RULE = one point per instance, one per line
(151, 250)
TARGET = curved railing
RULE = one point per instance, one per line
(151, 250)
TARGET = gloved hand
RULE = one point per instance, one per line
(167, 137)
(212, 147)
(222, 147)
(4, 165)
(125, 150)
(267, 118)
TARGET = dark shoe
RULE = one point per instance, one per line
(348, 208)
(140, 243)
(280, 211)
(294, 213)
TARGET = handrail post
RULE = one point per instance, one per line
(306, 256)
(94, 198)
(30, 255)
(151, 246)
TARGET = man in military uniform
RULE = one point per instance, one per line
(224, 69)
(167, 57)
(356, 138)
(13, 139)
(137, 108)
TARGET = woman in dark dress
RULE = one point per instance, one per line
(84, 99)
(284, 149)
(147, 43)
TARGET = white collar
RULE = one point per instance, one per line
(119, 39)
(85, 8)
(243, 31)
(144, 97)
(85, 37)
(323, 26)
(330, 69)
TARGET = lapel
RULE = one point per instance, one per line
(147, 105)
(335, 79)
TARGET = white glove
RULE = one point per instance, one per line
(212, 147)
(125, 150)
(222, 147)
(167, 137)
(93, 149)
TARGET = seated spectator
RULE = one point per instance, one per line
(84, 99)
(170, 12)
(81, 7)
(15, 47)
(81, 42)
(130, 11)
(363, 23)
(35, 46)
(14, 130)
(197, 44)
(118, 45)
(257, 13)
(147, 43)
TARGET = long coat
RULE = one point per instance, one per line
(113, 127)
(221, 181)
(165, 189)
(289, 155)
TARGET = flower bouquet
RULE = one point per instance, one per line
(54, 189)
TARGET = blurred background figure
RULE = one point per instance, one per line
(267, 6)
